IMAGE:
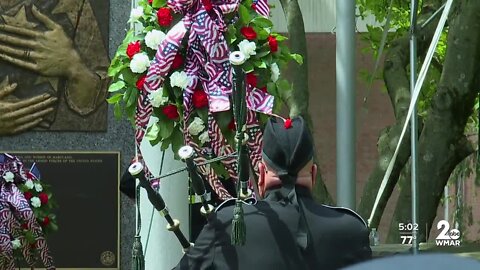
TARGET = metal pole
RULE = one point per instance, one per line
(414, 128)
(346, 130)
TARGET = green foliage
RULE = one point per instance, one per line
(399, 27)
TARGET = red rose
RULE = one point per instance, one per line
(43, 198)
(200, 99)
(288, 123)
(141, 82)
(254, 6)
(133, 48)
(164, 16)
(248, 32)
(45, 221)
(264, 89)
(170, 111)
(273, 43)
(251, 79)
(27, 195)
(150, 1)
(177, 61)
(208, 5)
(231, 125)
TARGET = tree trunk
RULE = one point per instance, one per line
(442, 144)
(398, 86)
(298, 100)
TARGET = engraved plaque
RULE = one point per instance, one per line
(85, 186)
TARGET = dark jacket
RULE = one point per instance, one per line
(337, 237)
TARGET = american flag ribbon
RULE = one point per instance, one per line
(14, 207)
(262, 7)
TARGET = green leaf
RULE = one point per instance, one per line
(248, 67)
(203, 114)
(279, 37)
(152, 132)
(272, 88)
(127, 94)
(113, 70)
(114, 87)
(262, 22)
(165, 144)
(297, 57)
(263, 52)
(262, 33)
(132, 100)
(159, 3)
(115, 98)
(231, 34)
(117, 111)
(177, 141)
(223, 119)
(166, 128)
(283, 85)
(260, 64)
(245, 17)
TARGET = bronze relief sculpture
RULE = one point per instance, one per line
(53, 63)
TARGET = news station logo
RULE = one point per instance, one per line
(447, 237)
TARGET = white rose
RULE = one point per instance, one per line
(179, 79)
(247, 48)
(275, 72)
(204, 137)
(154, 38)
(36, 202)
(157, 99)
(8, 176)
(16, 244)
(136, 13)
(196, 126)
(38, 187)
(29, 184)
(139, 63)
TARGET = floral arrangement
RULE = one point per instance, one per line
(28, 223)
(244, 29)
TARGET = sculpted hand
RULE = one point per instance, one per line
(49, 53)
(21, 115)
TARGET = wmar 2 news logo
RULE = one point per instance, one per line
(447, 237)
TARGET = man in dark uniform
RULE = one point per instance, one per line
(288, 229)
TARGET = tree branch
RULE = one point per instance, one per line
(442, 144)
(298, 99)
(397, 82)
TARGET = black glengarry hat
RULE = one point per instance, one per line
(287, 147)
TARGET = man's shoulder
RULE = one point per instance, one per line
(347, 212)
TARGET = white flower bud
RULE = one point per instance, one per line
(35, 201)
(247, 48)
(139, 63)
(136, 13)
(179, 79)
(196, 126)
(154, 38)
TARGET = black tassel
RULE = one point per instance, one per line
(138, 260)
(239, 230)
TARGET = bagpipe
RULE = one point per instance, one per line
(197, 182)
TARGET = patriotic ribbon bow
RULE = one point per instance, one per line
(14, 206)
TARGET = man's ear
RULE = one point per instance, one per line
(261, 179)
(314, 174)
